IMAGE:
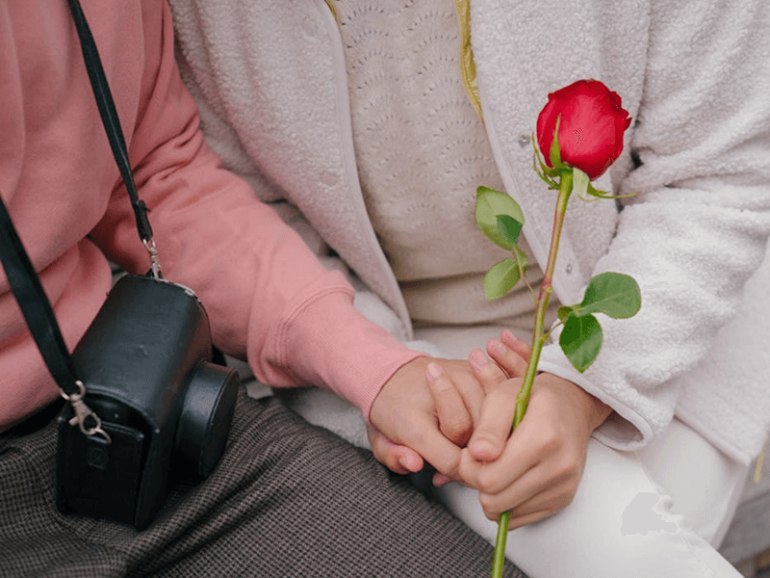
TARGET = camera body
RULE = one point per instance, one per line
(146, 363)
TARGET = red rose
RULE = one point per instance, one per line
(591, 126)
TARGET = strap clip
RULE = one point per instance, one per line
(83, 412)
(149, 244)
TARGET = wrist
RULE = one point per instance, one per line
(600, 411)
(413, 368)
(594, 410)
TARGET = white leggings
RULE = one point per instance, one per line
(656, 513)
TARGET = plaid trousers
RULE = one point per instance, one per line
(287, 499)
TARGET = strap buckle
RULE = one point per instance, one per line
(83, 412)
(149, 244)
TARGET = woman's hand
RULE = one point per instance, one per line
(535, 472)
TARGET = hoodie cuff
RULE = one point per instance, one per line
(326, 342)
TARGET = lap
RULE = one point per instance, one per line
(620, 523)
(597, 536)
(287, 499)
(705, 485)
(686, 487)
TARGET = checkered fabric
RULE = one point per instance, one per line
(287, 499)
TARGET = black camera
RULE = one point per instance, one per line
(147, 365)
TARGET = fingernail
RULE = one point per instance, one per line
(434, 370)
(478, 358)
(508, 336)
(497, 346)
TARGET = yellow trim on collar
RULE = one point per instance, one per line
(467, 64)
(333, 9)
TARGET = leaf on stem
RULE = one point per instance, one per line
(599, 194)
(501, 278)
(545, 172)
(509, 228)
(581, 340)
(555, 152)
(614, 294)
(580, 184)
(565, 311)
(489, 205)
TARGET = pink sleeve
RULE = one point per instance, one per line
(268, 298)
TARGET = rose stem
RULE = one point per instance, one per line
(538, 340)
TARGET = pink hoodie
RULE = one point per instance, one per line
(267, 297)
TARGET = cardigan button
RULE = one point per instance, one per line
(523, 140)
(309, 26)
(568, 269)
(328, 178)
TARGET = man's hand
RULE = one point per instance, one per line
(536, 471)
(425, 411)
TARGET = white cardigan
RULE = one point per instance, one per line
(695, 75)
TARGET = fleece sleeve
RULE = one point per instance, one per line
(698, 225)
(267, 296)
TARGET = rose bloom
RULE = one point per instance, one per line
(591, 126)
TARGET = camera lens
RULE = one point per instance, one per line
(207, 412)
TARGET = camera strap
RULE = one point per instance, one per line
(111, 122)
(38, 313)
(24, 281)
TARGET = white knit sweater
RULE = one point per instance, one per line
(421, 151)
(695, 75)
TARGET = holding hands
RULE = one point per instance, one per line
(414, 419)
(534, 472)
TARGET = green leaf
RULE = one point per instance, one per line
(599, 194)
(580, 183)
(564, 312)
(545, 172)
(509, 228)
(501, 278)
(613, 294)
(581, 341)
(555, 152)
(491, 203)
(552, 184)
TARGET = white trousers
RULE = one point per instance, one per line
(656, 513)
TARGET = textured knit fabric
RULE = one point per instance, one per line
(697, 228)
(405, 87)
(267, 296)
(286, 500)
(695, 78)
